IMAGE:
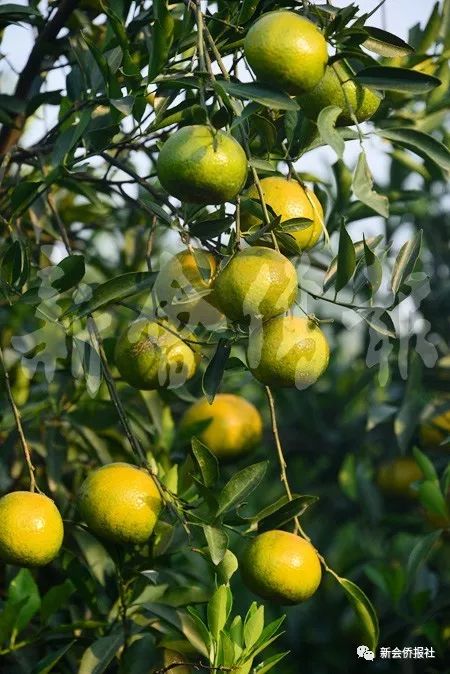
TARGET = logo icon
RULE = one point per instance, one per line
(365, 652)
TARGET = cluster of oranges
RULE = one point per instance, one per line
(255, 289)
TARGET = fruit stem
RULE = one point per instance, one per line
(282, 461)
(200, 50)
(238, 223)
(19, 427)
(261, 198)
(284, 479)
(98, 346)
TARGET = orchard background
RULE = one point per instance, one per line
(86, 226)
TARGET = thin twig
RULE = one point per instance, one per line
(281, 459)
(19, 427)
(98, 345)
(197, 666)
(284, 479)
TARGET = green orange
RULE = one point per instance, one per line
(256, 282)
(281, 567)
(120, 502)
(287, 51)
(200, 165)
(397, 476)
(234, 428)
(435, 427)
(290, 200)
(288, 351)
(184, 287)
(150, 356)
(31, 529)
(338, 88)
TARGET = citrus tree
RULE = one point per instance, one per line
(225, 410)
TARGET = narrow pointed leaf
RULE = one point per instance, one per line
(364, 610)
(362, 186)
(405, 262)
(346, 259)
(386, 44)
(397, 79)
(421, 143)
(241, 485)
(326, 123)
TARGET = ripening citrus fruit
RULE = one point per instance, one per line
(290, 200)
(282, 567)
(235, 426)
(288, 351)
(256, 281)
(31, 529)
(200, 165)
(172, 657)
(286, 50)
(337, 88)
(149, 356)
(184, 287)
(120, 502)
(435, 429)
(396, 477)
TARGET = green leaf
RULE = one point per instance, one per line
(386, 44)
(362, 186)
(431, 31)
(425, 465)
(12, 104)
(56, 598)
(100, 654)
(196, 632)
(405, 262)
(70, 271)
(115, 290)
(46, 664)
(213, 375)
(287, 512)
(23, 587)
(431, 496)
(248, 8)
(11, 13)
(227, 567)
(241, 485)
(397, 79)
(326, 123)
(209, 229)
(346, 259)
(364, 610)
(15, 264)
(374, 269)
(264, 95)
(330, 276)
(217, 540)
(162, 38)
(294, 224)
(68, 139)
(253, 625)
(270, 663)
(381, 322)
(207, 462)
(23, 194)
(218, 610)
(421, 143)
(123, 105)
(419, 554)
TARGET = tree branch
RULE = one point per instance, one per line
(18, 422)
(11, 133)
